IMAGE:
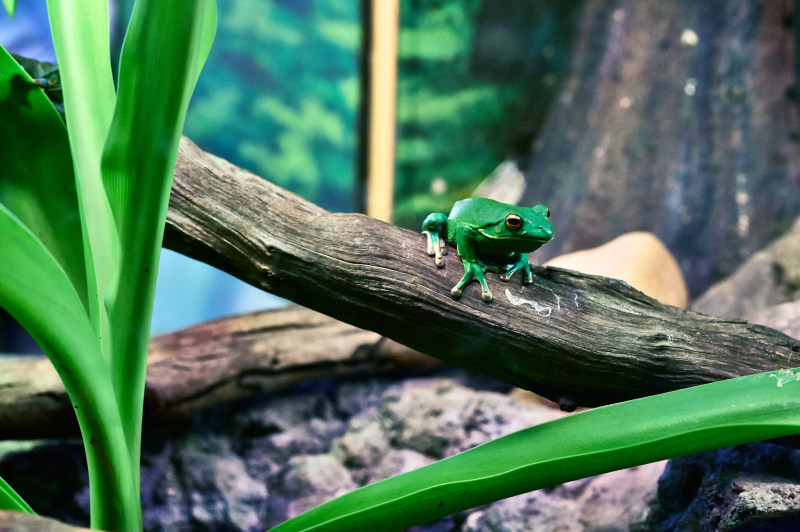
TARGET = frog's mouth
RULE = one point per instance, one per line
(519, 237)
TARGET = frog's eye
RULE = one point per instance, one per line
(548, 214)
(513, 222)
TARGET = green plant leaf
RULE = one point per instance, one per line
(605, 439)
(10, 499)
(36, 291)
(38, 183)
(165, 47)
(80, 30)
(11, 7)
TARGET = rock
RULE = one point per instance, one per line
(397, 462)
(611, 502)
(770, 277)
(313, 479)
(252, 466)
(638, 258)
(762, 505)
(785, 318)
(221, 493)
(21, 522)
(530, 511)
(364, 444)
(439, 418)
(747, 487)
(162, 493)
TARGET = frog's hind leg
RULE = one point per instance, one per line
(472, 272)
(473, 267)
(433, 228)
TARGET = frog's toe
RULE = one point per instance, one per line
(455, 293)
(439, 262)
(527, 279)
(505, 277)
(487, 296)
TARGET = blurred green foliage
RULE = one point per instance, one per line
(476, 79)
(280, 93)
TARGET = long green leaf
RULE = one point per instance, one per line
(164, 49)
(38, 184)
(604, 439)
(36, 291)
(80, 31)
(10, 499)
(11, 7)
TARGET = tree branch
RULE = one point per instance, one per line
(208, 364)
(574, 338)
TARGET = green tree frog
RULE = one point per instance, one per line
(489, 235)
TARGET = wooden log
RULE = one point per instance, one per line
(573, 338)
(208, 364)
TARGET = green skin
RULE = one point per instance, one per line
(489, 235)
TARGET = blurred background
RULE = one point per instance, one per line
(281, 96)
(677, 118)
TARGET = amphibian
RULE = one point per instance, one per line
(489, 235)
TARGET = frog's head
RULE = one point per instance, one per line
(522, 229)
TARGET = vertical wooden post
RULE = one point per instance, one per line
(385, 15)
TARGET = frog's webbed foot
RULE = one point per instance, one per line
(472, 271)
(436, 247)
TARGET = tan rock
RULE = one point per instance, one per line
(21, 522)
(638, 258)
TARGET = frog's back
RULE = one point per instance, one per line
(479, 211)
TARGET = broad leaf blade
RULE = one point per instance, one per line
(164, 49)
(37, 293)
(80, 31)
(38, 184)
(604, 439)
(10, 499)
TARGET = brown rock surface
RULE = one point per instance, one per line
(640, 259)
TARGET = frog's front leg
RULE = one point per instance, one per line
(522, 264)
(465, 243)
(434, 227)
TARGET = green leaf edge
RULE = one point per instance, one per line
(10, 499)
(159, 66)
(80, 30)
(37, 293)
(588, 443)
(38, 185)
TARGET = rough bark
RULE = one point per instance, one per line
(676, 118)
(576, 339)
(208, 364)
